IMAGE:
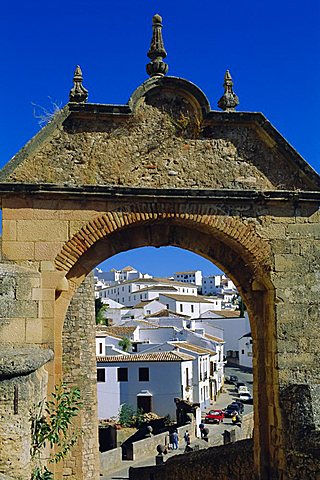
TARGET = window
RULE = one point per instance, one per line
(144, 374)
(100, 348)
(101, 374)
(192, 309)
(181, 307)
(242, 351)
(122, 374)
(148, 312)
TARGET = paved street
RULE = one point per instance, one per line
(216, 431)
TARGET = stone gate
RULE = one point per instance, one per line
(162, 170)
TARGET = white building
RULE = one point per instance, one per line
(190, 305)
(131, 292)
(194, 277)
(111, 336)
(233, 327)
(214, 284)
(150, 381)
(245, 351)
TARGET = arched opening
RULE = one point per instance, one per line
(233, 254)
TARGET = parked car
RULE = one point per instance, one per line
(246, 397)
(229, 411)
(243, 389)
(239, 406)
(214, 416)
(239, 384)
(231, 379)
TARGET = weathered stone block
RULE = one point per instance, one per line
(42, 231)
(305, 230)
(18, 250)
(289, 262)
(9, 230)
(47, 250)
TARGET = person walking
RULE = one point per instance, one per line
(188, 442)
(175, 440)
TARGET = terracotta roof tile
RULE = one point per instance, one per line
(117, 332)
(214, 339)
(194, 348)
(187, 298)
(146, 357)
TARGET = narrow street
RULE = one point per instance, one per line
(215, 431)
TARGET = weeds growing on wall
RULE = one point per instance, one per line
(52, 427)
(46, 115)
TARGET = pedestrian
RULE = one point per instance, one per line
(188, 442)
(175, 440)
(201, 427)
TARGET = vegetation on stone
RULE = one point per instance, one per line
(52, 426)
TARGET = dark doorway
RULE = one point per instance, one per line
(144, 403)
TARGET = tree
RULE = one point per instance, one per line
(100, 310)
(241, 306)
(125, 344)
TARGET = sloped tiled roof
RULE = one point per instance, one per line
(194, 348)
(227, 313)
(147, 357)
(156, 288)
(187, 298)
(214, 339)
(166, 313)
(117, 332)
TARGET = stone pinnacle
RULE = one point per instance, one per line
(78, 94)
(229, 99)
(157, 52)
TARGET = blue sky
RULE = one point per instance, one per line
(271, 48)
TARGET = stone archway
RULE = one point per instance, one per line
(166, 170)
(227, 241)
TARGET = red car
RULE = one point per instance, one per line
(214, 416)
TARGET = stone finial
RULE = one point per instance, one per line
(157, 52)
(229, 99)
(78, 94)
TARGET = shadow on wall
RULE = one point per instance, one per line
(206, 464)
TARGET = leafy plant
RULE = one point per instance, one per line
(125, 344)
(127, 415)
(51, 422)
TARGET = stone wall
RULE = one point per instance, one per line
(110, 460)
(228, 462)
(23, 384)
(79, 368)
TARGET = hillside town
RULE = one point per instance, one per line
(162, 339)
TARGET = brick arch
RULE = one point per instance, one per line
(231, 229)
(214, 234)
